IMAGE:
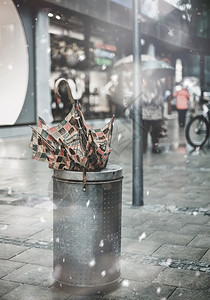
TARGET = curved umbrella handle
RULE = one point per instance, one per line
(56, 89)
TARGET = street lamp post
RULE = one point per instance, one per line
(137, 113)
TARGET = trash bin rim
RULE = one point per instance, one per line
(110, 173)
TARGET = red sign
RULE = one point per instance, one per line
(107, 47)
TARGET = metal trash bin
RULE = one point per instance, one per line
(87, 229)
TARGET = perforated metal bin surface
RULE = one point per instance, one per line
(87, 227)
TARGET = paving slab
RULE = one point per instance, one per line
(190, 218)
(200, 241)
(187, 294)
(132, 290)
(139, 272)
(206, 257)
(184, 278)
(195, 229)
(7, 251)
(26, 292)
(161, 225)
(135, 221)
(7, 286)
(6, 208)
(170, 238)
(23, 211)
(31, 274)
(130, 233)
(18, 231)
(179, 252)
(7, 267)
(41, 257)
(140, 247)
(46, 235)
(19, 220)
(137, 232)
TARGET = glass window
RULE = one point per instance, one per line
(83, 51)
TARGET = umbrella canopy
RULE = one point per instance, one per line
(150, 66)
(129, 60)
(72, 144)
(157, 69)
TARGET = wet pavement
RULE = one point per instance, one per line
(165, 243)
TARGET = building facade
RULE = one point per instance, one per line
(81, 41)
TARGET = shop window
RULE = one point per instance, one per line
(83, 52)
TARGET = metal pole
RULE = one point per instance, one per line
(137, 113)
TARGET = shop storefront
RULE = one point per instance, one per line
(83, 51)
(81, 41)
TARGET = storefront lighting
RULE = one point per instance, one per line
(58, 17)
(50, 15)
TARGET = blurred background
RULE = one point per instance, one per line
(90, 43)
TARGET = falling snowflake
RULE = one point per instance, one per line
(101, 243)
(147, 193)
(195, 213)
(125, 283)
(197, 273)
(119, 137)
(64, 259)
(87, 203)
(103, 273)
(142, 236)
(158, 290)
(92, 262)
(42, 219)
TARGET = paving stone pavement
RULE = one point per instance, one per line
(165, 243)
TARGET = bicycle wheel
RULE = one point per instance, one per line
(197, 131)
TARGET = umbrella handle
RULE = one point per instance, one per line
(56, 89)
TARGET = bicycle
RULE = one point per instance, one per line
(197, 129)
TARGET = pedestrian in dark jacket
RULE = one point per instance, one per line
(152, 108)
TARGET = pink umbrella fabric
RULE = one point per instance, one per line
(72, 144)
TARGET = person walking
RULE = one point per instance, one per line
(182, 98)
(152, 109)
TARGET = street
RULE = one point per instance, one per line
(165, 243)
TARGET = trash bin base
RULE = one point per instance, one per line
(88, 290)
